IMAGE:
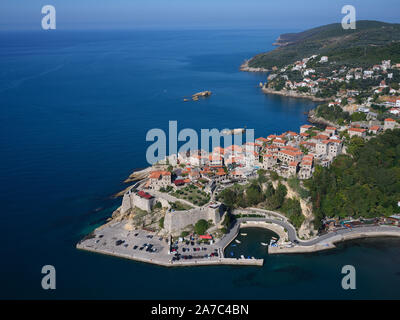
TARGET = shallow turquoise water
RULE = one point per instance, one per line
(74, 111)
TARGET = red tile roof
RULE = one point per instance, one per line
(145, 195)
(321, 137)
(235, 148)
(357, 130)
(374, 128)
(291, 153)
(157, 174)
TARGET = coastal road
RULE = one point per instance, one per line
(292, 234)
(364, 229)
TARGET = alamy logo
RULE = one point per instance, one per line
(349, 280)
(49, 280)
(349, 20)
(49, 20)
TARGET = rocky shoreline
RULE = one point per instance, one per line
(135, 176)
(293, 94)
(312, 118)
(138, 175)
(246, 68)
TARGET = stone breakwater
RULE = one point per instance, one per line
(189, 263)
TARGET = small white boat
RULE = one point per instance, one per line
(264, 244)
(272, 243)
(242, 256)
(243, 234)
(237, 241)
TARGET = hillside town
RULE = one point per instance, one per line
(189, 207)
(361, 93)
(177, 202)
(358, 104)
(183, 199)
(196, 177)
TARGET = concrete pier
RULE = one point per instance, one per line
(104, 240)
(113, 239)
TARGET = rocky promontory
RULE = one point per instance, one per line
(293, 94)
(246, 68)
(312, 118)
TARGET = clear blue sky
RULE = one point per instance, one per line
(127, 14)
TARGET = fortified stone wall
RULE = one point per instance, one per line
(131, 200)
(175, 221)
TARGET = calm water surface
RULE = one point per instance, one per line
(75, 108)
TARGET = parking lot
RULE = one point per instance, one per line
(115, 239)
(190, 249)
(145, 246)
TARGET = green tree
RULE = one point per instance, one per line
(161, 223)
(292, 209)
(254, 194)
(354, 145)
(201, 227)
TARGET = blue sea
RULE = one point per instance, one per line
(75, 107)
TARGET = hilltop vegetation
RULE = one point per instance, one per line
(365, 183)
(368, 44)
(239, 196)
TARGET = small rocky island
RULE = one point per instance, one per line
(196, 96)
(326, 183)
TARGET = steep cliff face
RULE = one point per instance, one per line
(306, 230)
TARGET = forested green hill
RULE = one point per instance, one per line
(366, 184)
(369, 43)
